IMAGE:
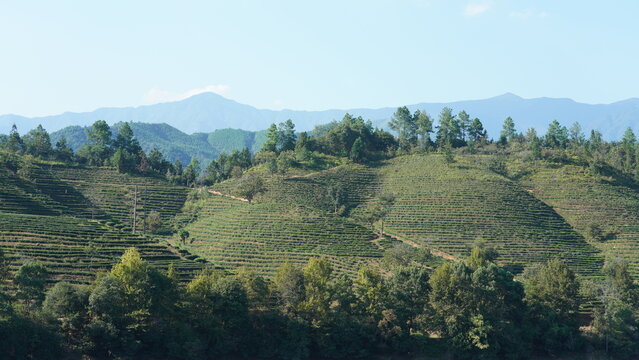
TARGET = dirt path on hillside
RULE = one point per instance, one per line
(416, 245)
(228, 196)
(303, 176)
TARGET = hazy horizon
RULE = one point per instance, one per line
(79, 57)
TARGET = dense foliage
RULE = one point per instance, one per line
(472, 308)
(477, 309)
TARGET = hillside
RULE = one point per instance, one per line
(449, 207)
(208, 112)
(232, 233)
(587, 200)
(446, 208)
(77, 221)
(173, 143)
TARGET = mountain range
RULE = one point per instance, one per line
(207, 112)
(175, 144)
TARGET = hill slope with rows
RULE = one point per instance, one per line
(77, 221)
(262, 236)
(447, 208)
(450, 207)
(590, 201)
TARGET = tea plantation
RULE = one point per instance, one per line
(77, 221)
(604, 209)
(450, 207)
(262, 236)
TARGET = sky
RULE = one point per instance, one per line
(58, 56)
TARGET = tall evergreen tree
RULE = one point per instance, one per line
(286, 138)
(406, 127)
(272, 139)
(15, 143)
(508, 131)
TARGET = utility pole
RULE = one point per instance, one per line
(144, 210)
(135, 205)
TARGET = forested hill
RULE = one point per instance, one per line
(175, 144)
(208, 112)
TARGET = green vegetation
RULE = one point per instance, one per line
(341, 242)
(475, 308)
(449, 208)
(232, 233)
(174, 144)
(604, 209)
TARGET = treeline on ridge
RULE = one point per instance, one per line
(353, 138)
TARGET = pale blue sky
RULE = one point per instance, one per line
(80, 55)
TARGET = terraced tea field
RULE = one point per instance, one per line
(74, 248)
(116, 193)
(448, 208)
(232, 233)
(39, 192)
(76, 220)
(584, 199)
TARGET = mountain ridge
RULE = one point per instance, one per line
(208, 112)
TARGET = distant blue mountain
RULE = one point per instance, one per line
(207, 112)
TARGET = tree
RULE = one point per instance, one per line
(217, 308)
(557, 135)
(62, 151)
(424, 128)
(508, 131)
(250, 186)
(157, 162)
(38, 143)
(288, 284)
(184, 235)
(576, 134)
(628, 147)
(318, 291)
(464, 124)
(153, 221)
(616, 318)
(479, 310)
(381, 210)
(370, 292)
(535, 148)
(99, 133)
(286, 138)
(192, 172)
(357, 151)
(123, 160)
(285, 160)
(125, 139)
(256, 287)
(15, 143)
(449, 129)
(272, 139)
(449, 156)
(476, 131)
(64, 300)
(408, 291)
(595, 232)
(406, 127)
(30, 280)
(553, 298)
